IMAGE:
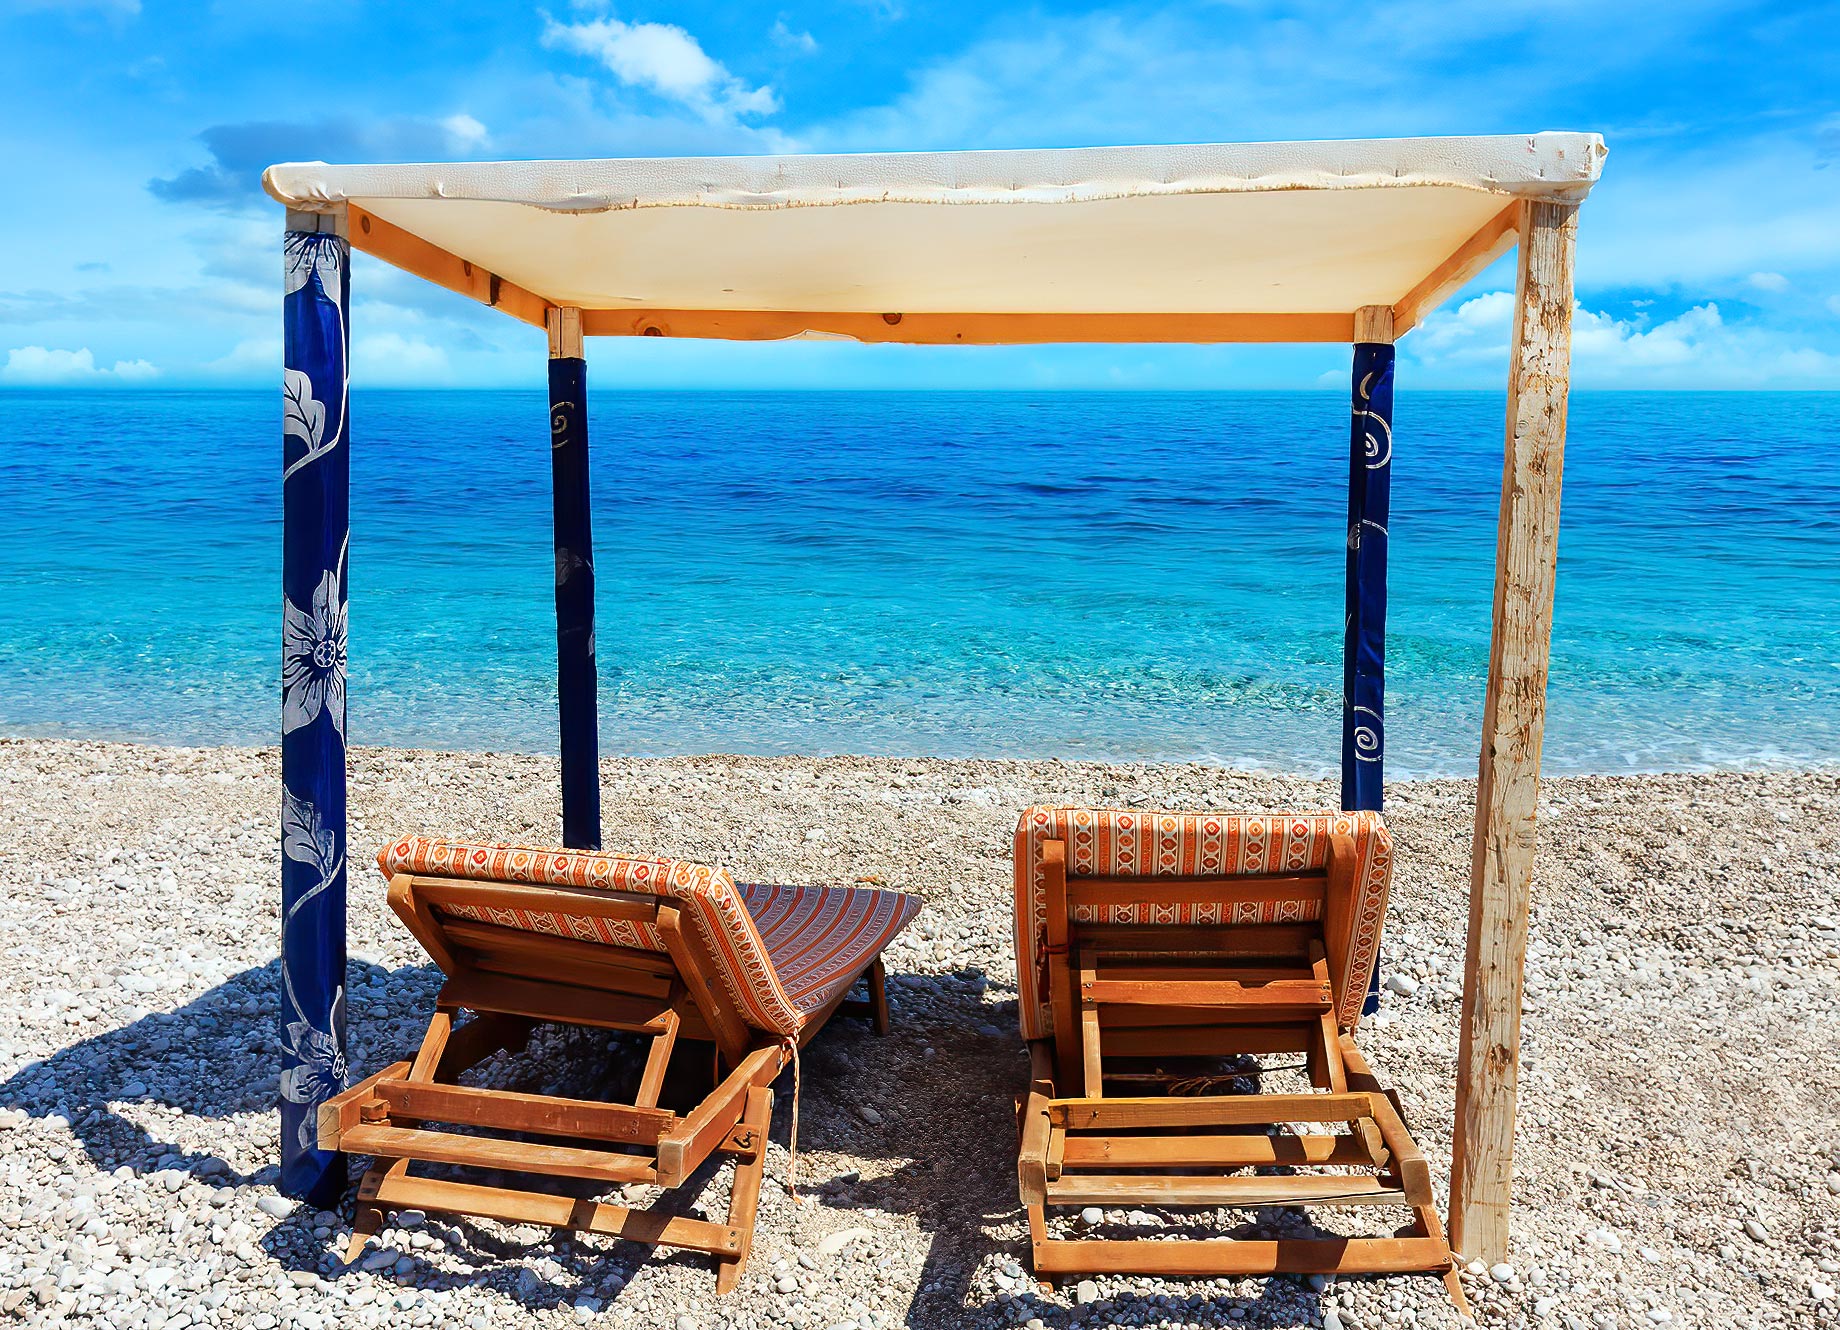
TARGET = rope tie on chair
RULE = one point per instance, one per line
(792, 1150)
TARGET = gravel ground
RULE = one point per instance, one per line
(1679, 1157)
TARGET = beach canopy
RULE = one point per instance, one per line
(1352, 242)
(1247, 242)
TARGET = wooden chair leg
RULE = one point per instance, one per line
(744, 1195)
(367, 1216)
(878, 997)
(657, 1059)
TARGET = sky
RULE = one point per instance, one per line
(139, 250)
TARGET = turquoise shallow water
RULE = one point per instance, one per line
(1106, 575)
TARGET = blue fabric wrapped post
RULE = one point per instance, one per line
(316, 528)
(576, 688)
(1370, 457)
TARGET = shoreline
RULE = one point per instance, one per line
(1677, 1079)
(1326, 774)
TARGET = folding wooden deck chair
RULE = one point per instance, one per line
(1147, 936)
(674, 950)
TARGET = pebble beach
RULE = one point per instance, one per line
(1678, 1162)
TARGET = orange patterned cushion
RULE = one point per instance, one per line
(812, 948)
(1130, 843)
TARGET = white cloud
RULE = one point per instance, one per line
(466, 132)
(253, 357)
(391, 360)
(1769, 281)
(1695, 349)
(793, 39)
(37, 366)
(663, 59)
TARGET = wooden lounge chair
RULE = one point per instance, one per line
(674, 950)
(1154, 936)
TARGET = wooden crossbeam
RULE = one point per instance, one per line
(439, 1147)
(1209, 1110)
(405, 250)
(1494, 238)
(1176, 1190)
(969, 329)
(1301, 995)
(1250, 1150)
(1228, 1256)
(527, 1207)
(513, 1111)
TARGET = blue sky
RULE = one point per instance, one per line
(139, 249)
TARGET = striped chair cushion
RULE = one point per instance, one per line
(817, 939)
(1130, 843)
(821, 938)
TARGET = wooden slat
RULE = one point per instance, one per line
(744, 1194)
(1067, 1047)
(1338, 920)
(698, 969)
(1209, 1040)
(492, 937)
(439, 1147)
(1092, 1061)
(1250, 941)
(1178, 1190)
(1032, 1157)
(1299, 995)
(405, 250)
(555, 959)
(527, 1207)
(589, 902)
(513, 1111)
(1226, 1256)
(1184, 970)
(1513, 722)
(1490, 242)
(554, 1002)
(969, 329)
(1244, 1151)
(657, 1060)
(1101, 892)
(1208, 1110)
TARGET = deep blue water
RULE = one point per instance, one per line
(1112, 575)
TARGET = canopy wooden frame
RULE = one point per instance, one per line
(1542, 226)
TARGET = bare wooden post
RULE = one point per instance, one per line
(1514, 717)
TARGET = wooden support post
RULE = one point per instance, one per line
(1370, 482)
(316, 528)
(1514, 715)
(1370, 457)
(575, 672)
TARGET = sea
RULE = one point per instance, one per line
(1105, 575)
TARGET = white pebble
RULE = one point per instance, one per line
(1502, 1273)
(276, 1205)
(1086, 1292)
(1757, 1232)
(1092, 1214)
(1403, 984)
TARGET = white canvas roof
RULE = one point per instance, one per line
(690, 246)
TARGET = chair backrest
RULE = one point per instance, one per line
(708, 898)
(1291, 852)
